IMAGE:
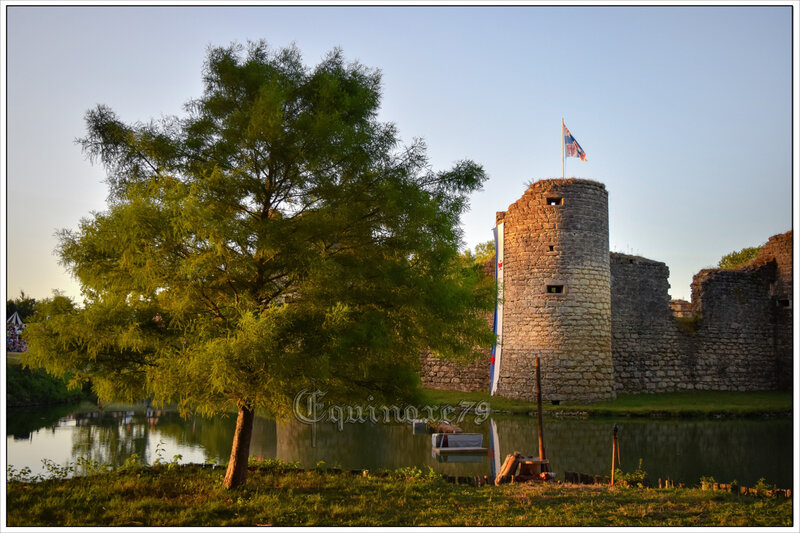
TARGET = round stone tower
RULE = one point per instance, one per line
(557, 292)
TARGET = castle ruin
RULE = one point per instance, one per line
(603, 323)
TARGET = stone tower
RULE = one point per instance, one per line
(557, 292)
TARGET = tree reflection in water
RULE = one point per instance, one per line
(683, 450)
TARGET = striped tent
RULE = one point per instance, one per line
(15, 320)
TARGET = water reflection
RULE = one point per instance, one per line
(682, 450)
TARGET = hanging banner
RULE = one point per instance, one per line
(497, 348)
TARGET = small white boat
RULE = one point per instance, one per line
(457, 443)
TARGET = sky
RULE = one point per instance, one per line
(685, 112)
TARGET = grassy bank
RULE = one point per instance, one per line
(26, 387)
(672, 404)
(171, 495)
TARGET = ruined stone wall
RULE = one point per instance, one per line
(779, 249)
(681, 308)
(652, 350)
(735, 348)
(738, 335)
(563, 247)
(611, 327)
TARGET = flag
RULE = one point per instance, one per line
(571, 146)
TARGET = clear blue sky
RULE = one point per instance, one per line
(685, 113)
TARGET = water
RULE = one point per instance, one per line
(682, 450)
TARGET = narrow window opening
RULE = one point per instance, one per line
(555, 200)
(555, 289)
(785, 303)
(551, 248)
(772, 288)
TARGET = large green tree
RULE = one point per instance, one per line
(276, 236)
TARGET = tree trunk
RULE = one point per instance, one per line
(240, 452)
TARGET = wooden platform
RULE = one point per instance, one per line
(465, 450)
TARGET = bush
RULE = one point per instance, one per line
(637, 478)
(737, 259)
(36, 387)
(272, 465)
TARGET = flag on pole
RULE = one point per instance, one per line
(571, 146)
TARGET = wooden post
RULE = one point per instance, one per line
(614, 456)
(539, 406)
(508, 469)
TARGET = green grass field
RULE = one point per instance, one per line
(678, 404)
(192, 496)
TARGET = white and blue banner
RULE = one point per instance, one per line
(494, 449)
(497, 348)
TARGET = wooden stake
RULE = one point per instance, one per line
(614, 456)
(539, 406)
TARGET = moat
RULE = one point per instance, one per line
(682, 450)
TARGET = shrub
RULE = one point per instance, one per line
(637, 478)
(737, 259)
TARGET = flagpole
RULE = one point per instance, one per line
(562, 148)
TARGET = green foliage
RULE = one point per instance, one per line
(483, 252)
(762, 486)
(273, 465)
(637, 478)
(82, 466)
(414, 473)
(25, 387)
(22, 304)
(706, 482)
(275, 238)
(132, 464)
(737, 259)
(160, 461)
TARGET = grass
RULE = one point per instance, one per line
(677, 404)
(172, 495)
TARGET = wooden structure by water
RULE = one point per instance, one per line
(518, 467)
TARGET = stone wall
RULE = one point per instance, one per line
(612, 327)
(738, 335)
(735, 329)
(652, 350)
(681, 308)
(556, 235)
(438, 373)
(779, 249)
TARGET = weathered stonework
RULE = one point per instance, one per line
(681, 308)
(651, 350)
(612, 326)
(779, 249)
(565, 246)
(439, 373)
